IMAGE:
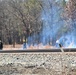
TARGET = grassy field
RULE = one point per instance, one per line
(10, 47)
(20, 46)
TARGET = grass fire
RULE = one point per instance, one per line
(39, 23)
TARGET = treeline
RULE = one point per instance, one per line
(21, 19)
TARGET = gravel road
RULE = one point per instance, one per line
(38, 63)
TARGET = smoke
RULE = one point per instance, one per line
(51, 21)
(54, 27)
(68, 40)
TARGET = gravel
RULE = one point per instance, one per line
(38, 63)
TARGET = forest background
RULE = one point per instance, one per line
(38, 21)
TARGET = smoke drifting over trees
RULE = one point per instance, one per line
(38, 21)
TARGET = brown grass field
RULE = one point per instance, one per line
(19, 46)
(10, 47)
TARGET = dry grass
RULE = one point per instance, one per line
(10, 47)
(19, 46)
